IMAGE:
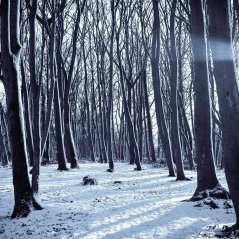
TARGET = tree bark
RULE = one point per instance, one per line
(27, 115)
(35, 96)
(206, 172)
(148, 117)
(60, 149)
(163, 131)
(176, 145)
(10, 60)
(110, 94)
(69, 139)
(90, 141)
(228, 93)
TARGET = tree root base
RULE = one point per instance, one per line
(109, 170)
(74, 163)
(183, 179)
(228, 230)
(75, 166)
(63, 169)
(218, 192)
(24, 208)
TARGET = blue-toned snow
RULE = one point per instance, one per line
(147, 204)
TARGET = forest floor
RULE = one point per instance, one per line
(125, 204)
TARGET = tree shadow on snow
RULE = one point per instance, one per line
(181, 221)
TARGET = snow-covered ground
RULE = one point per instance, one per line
(147, 204)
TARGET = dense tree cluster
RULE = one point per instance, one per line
(138, 81)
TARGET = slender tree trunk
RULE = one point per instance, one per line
(134, 150)
(110, 94)
(69, 139)
(35, 96)
(45, 155)
(27, 115)
(130, 142)
(148, 117)
(60, 149)
(3, 148)
(51, 67)
(5, 130)
(102, 139)
(176, 145)
(163, 131)
(146, 139)
(140, 117)
(92, 153)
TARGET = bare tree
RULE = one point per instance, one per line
(162, 127)
(11, 49)
(176, 144)
(220, 36)
(206, 171)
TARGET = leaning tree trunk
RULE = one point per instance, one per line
(206, 173)
(69, 139)
(132, 139)
(27, 115)
(148, 117)
(163, 131)
(228, 93)
(134, 154)
(60, 149)
(10, 61)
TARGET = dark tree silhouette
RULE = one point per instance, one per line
(162, 127)
(206, 172)
(23, 194)
(220, 36)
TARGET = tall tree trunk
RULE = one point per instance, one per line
(148, 117)
(10, 61)
(60, 149)
(134, 151)
(69, 139)
(228, 93)
(27, 115)
(110, 94)
(52, 74)
(140, 109)
(101, 117)
(35, 97)
(163, 131)
(176, 145)
(45, 155)
(130, 139)
(90, 141)
(206, 172)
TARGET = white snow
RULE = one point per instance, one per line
(147, 204)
